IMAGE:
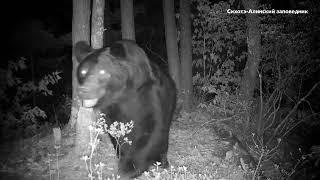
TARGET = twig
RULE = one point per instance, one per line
(261, 105)
(293, 110)
(298, 124)
(276, 109)
(257, 168)
(150, 50)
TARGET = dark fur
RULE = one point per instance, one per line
(131, 89)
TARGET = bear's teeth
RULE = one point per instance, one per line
(88, 103)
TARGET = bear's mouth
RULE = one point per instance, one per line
(89, 103)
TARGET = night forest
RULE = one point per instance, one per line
(160, 89)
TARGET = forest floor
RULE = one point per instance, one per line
(196, 151)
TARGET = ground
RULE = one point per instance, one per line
(194, 149)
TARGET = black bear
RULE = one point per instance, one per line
(121, 82)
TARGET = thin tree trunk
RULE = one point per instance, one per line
(127, 19)
(80, 32)
(97, 34)
(97, 25)
(107, 24)
(186, 53)
(171, 41)
(254, 47)
(249, 80)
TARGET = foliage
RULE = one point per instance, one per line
(118, 130)
(287, 52)
(178, 173)
(218, 40)
(61, 110)
(219, 45)
(17, 92)
(282, 98)
(286, 62)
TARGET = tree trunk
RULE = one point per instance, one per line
(107, 23)
(186, 53)
(127, 19)
(97, 24)
(97, 34)
(171, 41)
(80, 32)
(249, 80)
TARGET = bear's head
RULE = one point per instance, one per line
(108, 74)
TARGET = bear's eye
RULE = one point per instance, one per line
(83, 72)
(104, 73)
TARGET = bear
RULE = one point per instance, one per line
(121, 82)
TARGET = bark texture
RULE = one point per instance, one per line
(249, 81)
(127, 19)
(97, 27)
(186, 53)
(171, 41)
(80, 32)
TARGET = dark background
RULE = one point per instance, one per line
(22, 21)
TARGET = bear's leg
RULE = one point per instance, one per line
(131, 167)
(164, 161)
(135, 163)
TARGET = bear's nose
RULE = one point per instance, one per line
(86, 92)
(83, 89)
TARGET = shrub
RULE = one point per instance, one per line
(17, 95)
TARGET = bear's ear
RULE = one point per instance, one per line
(81, 50)
(117, 50)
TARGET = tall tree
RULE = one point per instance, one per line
(127, 19)
(107, 23)
(82, 117)
(254, 53)
(80, 32)
(186, 53)
(97, 24)
(171, 41)
(86, 116)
